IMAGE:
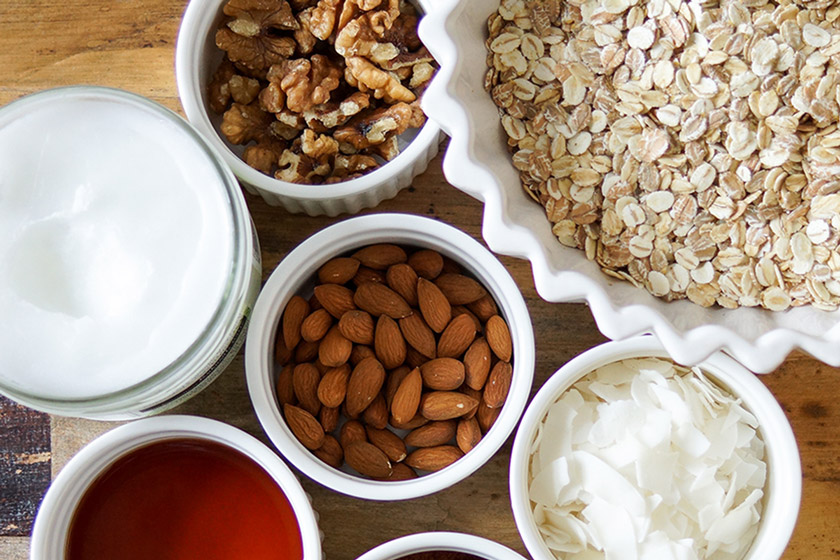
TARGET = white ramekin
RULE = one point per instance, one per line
(49, 533)
(295, 274)
(783, 489)
(196, 59)
(443, 541)
(478, 163)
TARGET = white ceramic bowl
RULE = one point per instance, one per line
(783, 488)
(295, 274)
(196, 59)
(478, 163)
(52, 522)
(441, 541)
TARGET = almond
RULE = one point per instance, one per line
(474, 394)
(443, 405)
(306, 351)
(296, 311)
(426, 263)
(436, 310)
(334, 349)
(381, 255)
(484, 307)
(389, 343)
(433, 458)
(367, 459)
(392, 382)
(498, 385)
(351, 432)
(306, 380)
(498, 337)
(458, 310)
(357, 326)
(376, 414)
(333, 386)
(477, 364)
(378, 299)
(365, 275)
(413, 358)
(431, 434)
(365, 383)
(336, 299)
(402, 279)
(456, 337)
(407, 397)
(443, 374)
(459, 289)
(339, 270)
(282, 353)
(285, 387)
(388, 442)
(329, 418)
(304, 426)
(418, 335)
(330, 452)
(316, 325)
(416, 422)
(486, 416)
(360, 352)
(468, 434)
(400, 472)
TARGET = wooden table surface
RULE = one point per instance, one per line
(130, 44)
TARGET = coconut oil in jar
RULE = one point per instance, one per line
(130, 262)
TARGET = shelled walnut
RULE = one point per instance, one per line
(319, 90)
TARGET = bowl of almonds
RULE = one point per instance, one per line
(389, 356)
(313, 105)
(673, 165)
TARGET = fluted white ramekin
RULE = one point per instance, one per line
(440, 541)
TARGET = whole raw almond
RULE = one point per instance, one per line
(285, 387)
(431, 434)
(316, 325)
(402, 279)
(484, 307)
(407, 397)
(442, 374)
(360, 352)
(334, 349)
(443, 405)
(392, 382)
(458, 310)
(296, 311)
(357, 326)
(367, 459)
(436, 309)
(456, 337)
(365, 275)
(336, 299)
(333, 386)
(306, 380)
(468, 434)
(498, 337)
(351, 432)
(433, 458)
(400, 472)
(378, 299)
(389, 343)
(381, 255)
(330, 452)
(306, 351)
(467, 390)
(388, 442)
(426, 263)
(282, 353)
(477, 364)
(418, 335)
(304, 426)
(486, 416)
(376, 414)
(365, 383)
(416, 422)
(459, 289)
(339, 270)
(498, 385)
(328, 417)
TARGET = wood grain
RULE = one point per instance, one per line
(130, 45)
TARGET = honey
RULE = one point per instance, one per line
(182, 499)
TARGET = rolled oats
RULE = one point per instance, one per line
(691, 149)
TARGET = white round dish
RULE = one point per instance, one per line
(196, 58)
(52, 522)
(477, 162)
(783, 488)
(443, 541)
(294, 275)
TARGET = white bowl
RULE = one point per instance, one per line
(443, 541)
(477, 162)
(783, 488)
(295, 274)
(52, 522)
(196, 59)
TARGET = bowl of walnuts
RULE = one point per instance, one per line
(677, 169)
(314, 105)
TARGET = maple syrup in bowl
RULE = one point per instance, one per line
(176, 487)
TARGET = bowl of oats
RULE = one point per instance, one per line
(673, 165)
(314, 106)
